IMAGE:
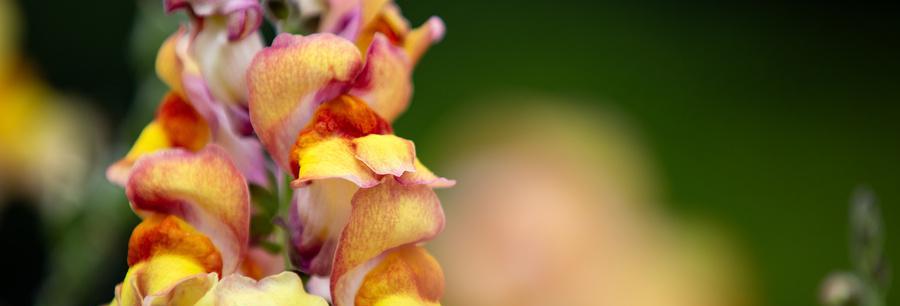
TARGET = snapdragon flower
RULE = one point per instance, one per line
(204, 65)
(196, 211)
(362, 193)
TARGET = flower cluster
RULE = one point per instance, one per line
(321, 104)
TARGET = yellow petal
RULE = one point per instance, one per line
(419, 40)
(188, 291)
(371, 9)
(423, 176)
(203, 188)
(284, 289)
(324, 148)
(168, 67)
(382, 18)
(386, 154)
(406, 276)
(389, 21)
(332, 158)
(156, 277)
(153, 138)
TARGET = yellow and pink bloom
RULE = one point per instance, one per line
(362, 194)
(362, 203)
(196, 210)
(204, 65)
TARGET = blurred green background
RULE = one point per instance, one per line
(762, 116)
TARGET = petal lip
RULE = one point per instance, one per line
(204, 188)
(153, 138)
(118, 172)
(420, 39)
(158, 277)
(385, 154)
(423, 176)
(437, 27)
(332, 158)
(362, 182)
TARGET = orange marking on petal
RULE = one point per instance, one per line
(170, 235)
(344, 117)
(384, 27)
(384, 18)
(373, 9)
(182, 124)
(164, 279)
(177, 125)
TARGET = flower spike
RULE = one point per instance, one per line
(322, 106)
